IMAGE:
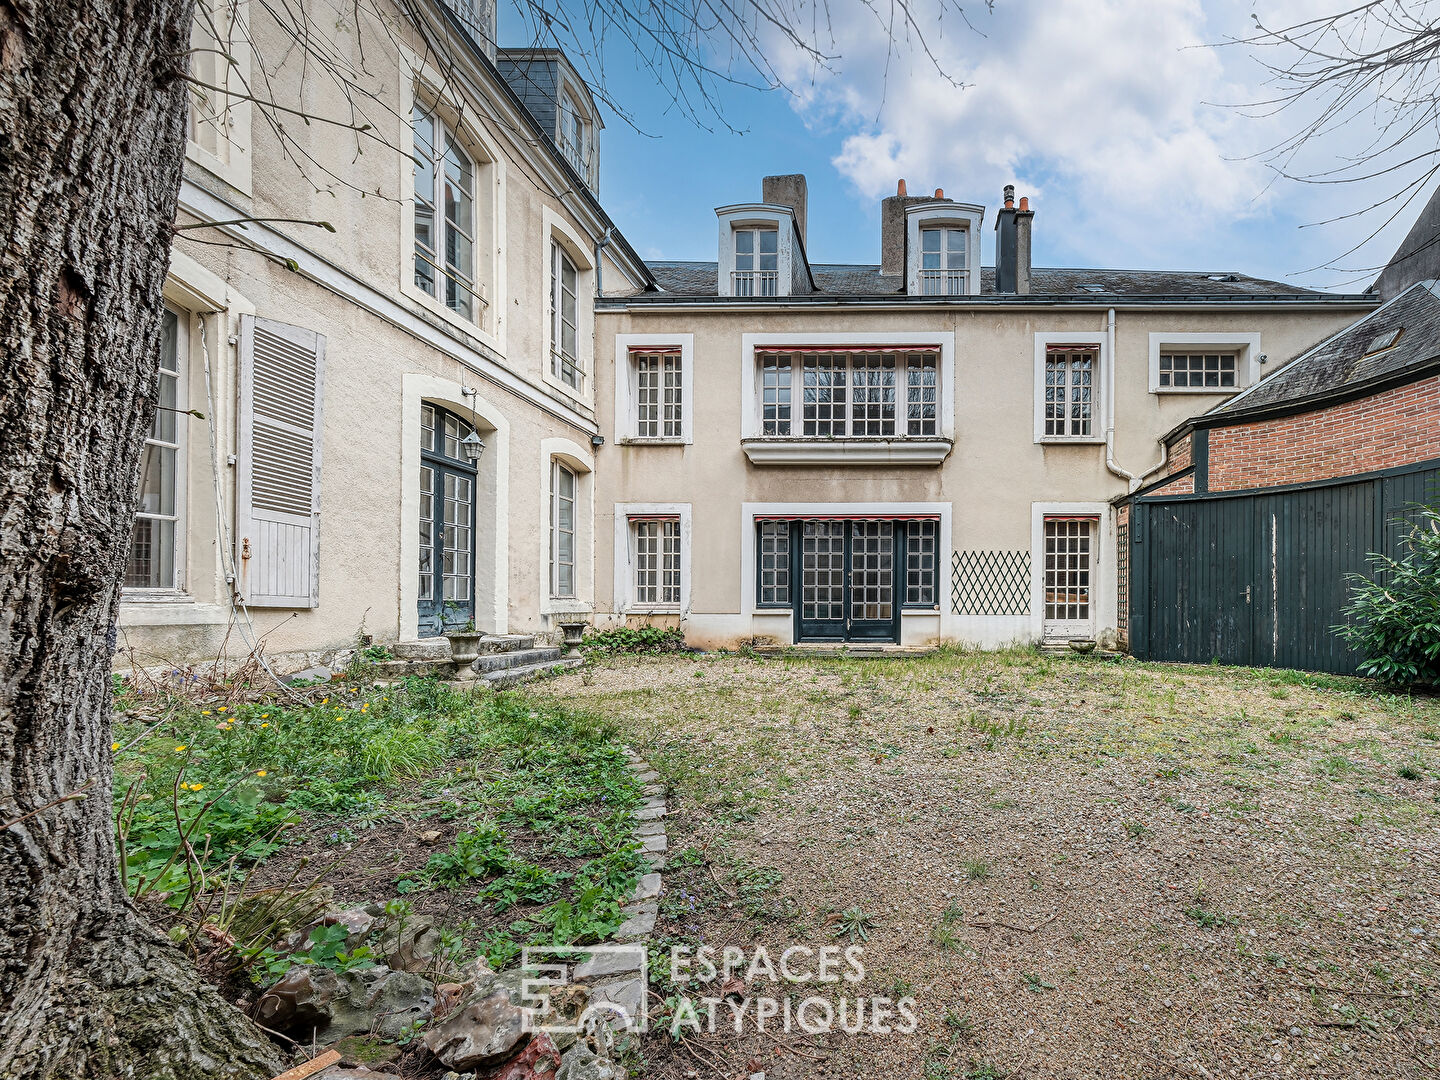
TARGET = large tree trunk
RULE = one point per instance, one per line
(92, 137)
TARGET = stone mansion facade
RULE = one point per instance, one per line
(472, 402)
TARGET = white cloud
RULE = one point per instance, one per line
(1101, 111)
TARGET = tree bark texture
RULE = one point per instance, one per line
(92, 115)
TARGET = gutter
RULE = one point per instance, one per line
(671, 302)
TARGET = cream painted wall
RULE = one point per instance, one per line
(387, 349)
(992, 478)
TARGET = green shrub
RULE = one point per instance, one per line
(644, 639)
(1393, 616)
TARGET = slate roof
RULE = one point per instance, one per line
(698, 279)
(1356, 356)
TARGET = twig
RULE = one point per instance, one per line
(991, 924)
(1352, 993)
(78, 793)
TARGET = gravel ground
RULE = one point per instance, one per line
(1078, 868)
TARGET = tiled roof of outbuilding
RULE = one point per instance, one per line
(849, 279)
(1398, 336)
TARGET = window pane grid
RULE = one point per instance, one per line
(853, 395)
(774, 551)
(1069, 374)
(872, 409)
(921, 381)
(565, 319)
(456, 547)
(943, 252)
(872, 570)
(427, 533)
(920, 563)
(775, 395)
(151, 561)
(657, 562)
(443, 215)
(1067, 570)
(562, 531)
(658, 400)
(757, 266)
(822, 570)
(1192, 370)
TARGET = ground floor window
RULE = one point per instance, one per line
(153, 545)
(562, 531)
(1069, 563)
(846, 578)
(656, 544)
(447, 523)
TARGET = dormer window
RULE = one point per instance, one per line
(574, 137)
(943, 262)
(757, 262)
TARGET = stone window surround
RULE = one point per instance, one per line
(626, 423)
(232, 162)
(967, 216)
(1245, 347)
(625, 603)
(557, 231)
(757, 215)
(1099, 404)
(791, 449)
(488, 325)
(580, 462)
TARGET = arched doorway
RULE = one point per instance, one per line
(448, 490)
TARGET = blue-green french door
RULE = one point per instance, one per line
(447, 524)
(847, 577)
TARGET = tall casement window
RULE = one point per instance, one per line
(1069, 392)
(565, 319)
(658, 394)
(943, 265)
(656, 545)
(444, 216)
(920, 563)
(447, 523)
(872, 393)
(757, 262)
(562, 531)
(153, 561)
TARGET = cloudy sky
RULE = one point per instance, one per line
(1114, 116)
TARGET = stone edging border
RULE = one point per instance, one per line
(617, 977)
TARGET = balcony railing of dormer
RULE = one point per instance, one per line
(755, 283)
(943, 282)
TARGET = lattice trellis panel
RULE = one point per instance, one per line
(1122, 575)
(990, 582)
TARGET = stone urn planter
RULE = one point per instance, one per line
(464, 646)
(573, 629)
(1082, 645)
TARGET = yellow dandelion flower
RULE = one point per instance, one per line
(114, 746)
(196, 787)
(262, 772)
(204, 712)
(325, 701)
(264, 716)
(223, 708)
(264, 725)
(180, 749)
(365, 706)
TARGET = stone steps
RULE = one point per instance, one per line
(504, 643)
(514, 676)
(486, 663)
(823, 649)
(398, 669)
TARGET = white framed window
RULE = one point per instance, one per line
(655, 388)
(942, 250)
(656, 561)
(1070, 392)
(565, 318)
(652, 558)
(218, 119)
(1069, 388)
(444, 216)
(562, 530)
(156, 562)
(574, 138)
(659, 394)
(886, 394)
(944, 260)
(757, 262)
(1204, 363)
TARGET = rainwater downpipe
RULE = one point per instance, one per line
(1134, 481)
(600, 245)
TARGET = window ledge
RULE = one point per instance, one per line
(652, 609)
(646, 440)
(802, 451)
(144, 608)
(1217, 390)
(1055, 440)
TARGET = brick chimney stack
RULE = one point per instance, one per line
(892, 227)
(788, 190)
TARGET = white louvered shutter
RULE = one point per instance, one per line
(278, 467)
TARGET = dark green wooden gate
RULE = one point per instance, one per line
(1258, 577)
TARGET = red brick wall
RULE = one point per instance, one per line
(1396, 427)
(1179, 456)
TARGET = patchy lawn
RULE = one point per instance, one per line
(1078, 868)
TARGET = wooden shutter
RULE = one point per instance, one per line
(278, 467)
